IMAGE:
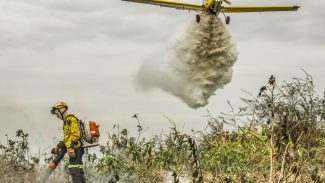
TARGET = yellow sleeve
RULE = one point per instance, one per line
(73, 137)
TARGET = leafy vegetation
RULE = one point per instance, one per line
(16, 162)
(280, 139)
(278, 136)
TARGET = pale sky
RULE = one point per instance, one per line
(87, 53)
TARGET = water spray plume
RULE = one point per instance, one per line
(202, 63)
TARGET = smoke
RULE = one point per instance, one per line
(13, 117)
(200, 64)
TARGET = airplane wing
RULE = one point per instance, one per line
(171, 4)
(239, 9)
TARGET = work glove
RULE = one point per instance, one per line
(60, 145)
(71, 153)
(55, 151)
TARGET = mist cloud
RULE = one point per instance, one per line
(201, 64)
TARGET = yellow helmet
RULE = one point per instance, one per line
(58, 106)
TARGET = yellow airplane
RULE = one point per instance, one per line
(214, 7)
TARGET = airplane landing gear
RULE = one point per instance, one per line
(227, 20)
(198, 18)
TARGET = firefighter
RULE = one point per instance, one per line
(71, 142)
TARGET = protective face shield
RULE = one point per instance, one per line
(59, 113)
(59, 109)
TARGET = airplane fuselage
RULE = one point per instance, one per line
(212, 7)
(209, 3)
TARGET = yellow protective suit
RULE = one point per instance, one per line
(71, 132)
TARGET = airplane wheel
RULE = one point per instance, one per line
(198, 18)
(227, 20)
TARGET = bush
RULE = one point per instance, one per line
(16, 162)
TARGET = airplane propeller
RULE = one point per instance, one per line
(226, 1)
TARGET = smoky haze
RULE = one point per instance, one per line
(200, 64)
